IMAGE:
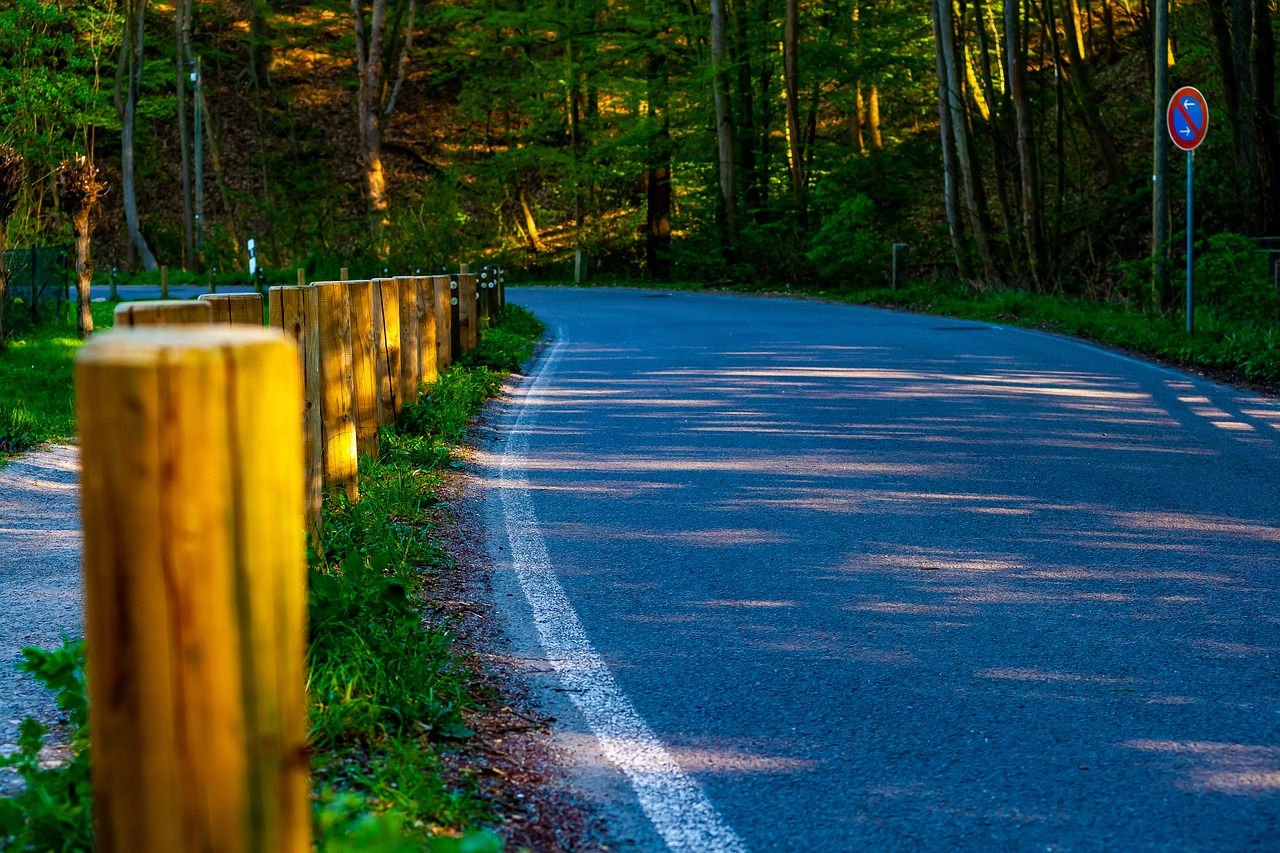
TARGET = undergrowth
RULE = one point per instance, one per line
(388, 686)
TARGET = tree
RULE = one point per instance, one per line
(380, 65)
(129, 72)
(11, 178)
(724, 125)
(79, 188)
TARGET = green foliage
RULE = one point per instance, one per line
(1231, 276)
(846, 247)
(508, 344)
(54, 809)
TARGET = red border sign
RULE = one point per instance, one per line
(1187, 118)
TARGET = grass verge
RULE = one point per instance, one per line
(36, 379)
(388, 686)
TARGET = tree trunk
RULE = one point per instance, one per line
(376, 100)
(855, 119)
(531, 227)
(131, 58)
(746, 124)
(975, 195)
(1160, 154)
(950, 191)
(873, 119)
(1028, 169)
(260, 58)
(657, 244)
(84, 271)
(724, 126)
(4, 277)
(1088, 97)
(181, 24)
(997, 124)
(795, 133)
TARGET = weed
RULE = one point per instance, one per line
(54, 809)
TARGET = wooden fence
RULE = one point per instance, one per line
(199, 490)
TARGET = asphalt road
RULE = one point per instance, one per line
(874, 581)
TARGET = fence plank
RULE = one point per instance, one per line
(364, 355)
(427, 368)
(329, 313)
(288, 313)
(162, 313)
(386, 321)
(468, 322)
(444, 324)
(410, 356)
(195, 590)
(236, 309)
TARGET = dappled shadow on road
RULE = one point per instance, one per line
(1035, 591)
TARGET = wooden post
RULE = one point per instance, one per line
(288, 313)
(455, 327)
(427, 333)
(502, 288)
(160, 313)
(302, 277)
(410, 355)
(237, 309)
(329, 312)
(467, 323)
(464, 268)
(444, 324)
(164, 282)
(386, 330)
(342, 274)
(195, 585)
(483, 307)
(364, 366)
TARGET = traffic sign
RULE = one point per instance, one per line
(1187, 118)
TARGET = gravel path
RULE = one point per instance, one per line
(40, 546)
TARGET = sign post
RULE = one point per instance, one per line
(1188, 119)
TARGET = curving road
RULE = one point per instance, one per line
(827, 578)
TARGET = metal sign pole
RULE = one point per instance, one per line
(1191, 159)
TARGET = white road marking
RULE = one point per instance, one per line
(675, 803)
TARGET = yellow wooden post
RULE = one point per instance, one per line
(444, 325)
(427, 371)
(364, 355)
(161, 313)
(195, 590)
(342, 274)
(288, 312)
(329, 313)
(237, 309)
(164, 282)
(386, 330)
(302, 277)
(467, 321)
(410, 357)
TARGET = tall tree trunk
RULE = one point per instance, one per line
(795, 133)
(724, 126)
(84, 271)
(131, 64)
(1027, 168)
(746, 124)
(766, 106)
(950, 170)
(260, 58)
(996, 125)
(873, 119)
(376, 100)
(855, 119)
(657, 244)
(1160, 154)
(181, 25)
(1088, 97)
(975, 195)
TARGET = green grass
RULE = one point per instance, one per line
(389, 688)
(36, 378)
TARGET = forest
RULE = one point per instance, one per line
(771, 143)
